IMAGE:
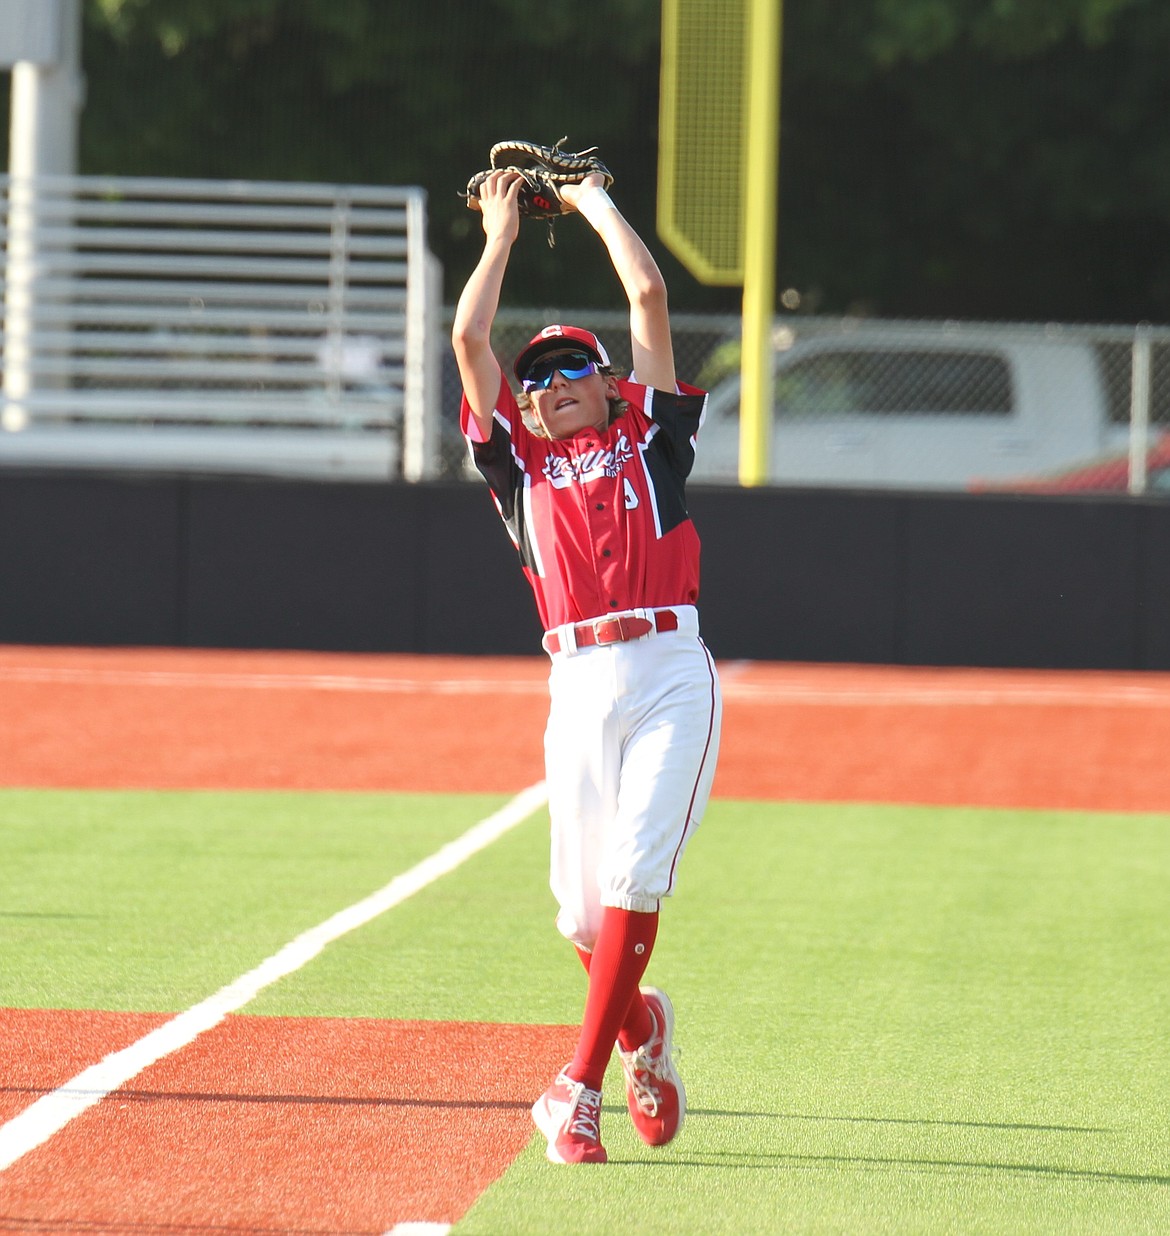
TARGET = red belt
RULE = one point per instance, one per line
(616, 630)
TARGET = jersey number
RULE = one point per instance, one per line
(631, 496)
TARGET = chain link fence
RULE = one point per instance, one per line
(917, 405)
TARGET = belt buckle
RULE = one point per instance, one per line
(602, 625)
(621, 628)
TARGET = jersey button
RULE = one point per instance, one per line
(606, 553)
(613, 604)
(600, 506)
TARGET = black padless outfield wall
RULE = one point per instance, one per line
(987, 580)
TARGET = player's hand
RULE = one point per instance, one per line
(569, 193)
(498, 204)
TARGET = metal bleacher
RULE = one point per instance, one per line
(219, 326)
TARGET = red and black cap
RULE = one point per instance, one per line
(560, 339)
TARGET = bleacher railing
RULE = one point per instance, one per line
(245, 327)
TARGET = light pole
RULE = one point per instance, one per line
(40, 41)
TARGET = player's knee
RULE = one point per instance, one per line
(580, 926)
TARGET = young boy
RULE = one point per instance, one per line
(588, 472)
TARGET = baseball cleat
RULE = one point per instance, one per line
(569, 1116)
(654, 1091)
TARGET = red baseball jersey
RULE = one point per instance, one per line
(599, 519)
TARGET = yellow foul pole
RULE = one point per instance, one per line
(759, 280)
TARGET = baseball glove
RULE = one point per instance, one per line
(544, 169)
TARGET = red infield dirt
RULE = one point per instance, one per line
(154, 718)
(280, 1125)
(40, 1051)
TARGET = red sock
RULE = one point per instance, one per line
(619, 959)
(637, 1025)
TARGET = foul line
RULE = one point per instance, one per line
(1091, 692)
(62, 675)
(51, 1113)
(946, 696)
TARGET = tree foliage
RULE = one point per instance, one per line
(1002, 158)
(1017, 168)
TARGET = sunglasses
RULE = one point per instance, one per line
(572, 365)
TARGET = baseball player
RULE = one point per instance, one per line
(587, 471)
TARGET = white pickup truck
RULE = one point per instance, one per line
(918, 406)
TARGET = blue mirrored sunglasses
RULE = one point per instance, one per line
(572, 365)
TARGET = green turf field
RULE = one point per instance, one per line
(895, 1020)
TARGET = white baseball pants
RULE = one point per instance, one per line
(630, 751)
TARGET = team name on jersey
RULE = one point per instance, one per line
(605, 461)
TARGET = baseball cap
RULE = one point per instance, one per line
(558, 338)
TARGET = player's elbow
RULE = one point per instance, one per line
(648, 292)
(466, 335)
(470, 342)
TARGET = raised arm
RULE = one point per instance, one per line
(644, 285)
(479, 369)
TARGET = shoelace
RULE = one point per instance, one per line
(641, 1073)
(584, 1113)
(642, 1070)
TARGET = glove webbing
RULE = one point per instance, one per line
(551, 162)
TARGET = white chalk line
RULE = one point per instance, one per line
(1089, 694)
(226, 680)
(52, 1112)
(949, 696)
